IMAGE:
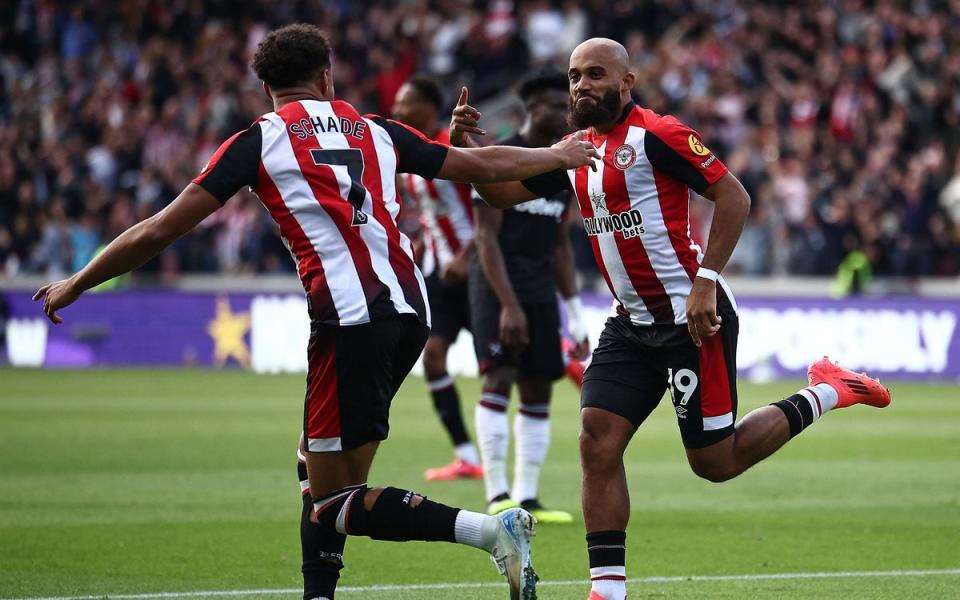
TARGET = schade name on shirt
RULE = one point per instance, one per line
(305, 128)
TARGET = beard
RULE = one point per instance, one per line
(605, 110)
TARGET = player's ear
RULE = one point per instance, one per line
(325, 82)
(266, 91)
(629, 80)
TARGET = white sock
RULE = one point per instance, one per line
(493, 437)
(821, 397)
(532, 436)
(467, 453)
(476, 529)
(609, 582)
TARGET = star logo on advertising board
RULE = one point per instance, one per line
(228, 330)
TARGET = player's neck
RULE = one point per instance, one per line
(295, 94)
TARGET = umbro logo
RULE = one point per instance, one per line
(682, 412)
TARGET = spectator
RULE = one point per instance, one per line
(842, 118)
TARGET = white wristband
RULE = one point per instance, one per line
(575, 323)
(708, 274)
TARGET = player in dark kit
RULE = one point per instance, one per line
(523, 256)
(675, 324)
(446, 220)
(326, 174)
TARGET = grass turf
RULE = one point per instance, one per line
(126, 482)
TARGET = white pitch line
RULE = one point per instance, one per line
(480, 585)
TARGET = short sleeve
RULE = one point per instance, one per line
(233, 166)
(548, 184)
(678, 151)
(415, 153)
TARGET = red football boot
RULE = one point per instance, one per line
(458, 469)
(852, 388)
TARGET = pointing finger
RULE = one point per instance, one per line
(41, 292)
(463, 96)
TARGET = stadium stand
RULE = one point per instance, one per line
(842, 118)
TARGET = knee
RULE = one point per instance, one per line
(596, 451)
(372, 495)
(714, 471)
(434, 361)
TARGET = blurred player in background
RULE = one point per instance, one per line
(523, 257)
(326, 174)
(675, 324)
(446, 219)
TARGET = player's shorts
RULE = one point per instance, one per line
(634, 365)
(449, 307)
(542, 358)
(354, 372)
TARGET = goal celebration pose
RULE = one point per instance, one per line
(674, 320)
(327, 176)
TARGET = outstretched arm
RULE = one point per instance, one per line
(509, 163)
(464, 121)
(131, 248)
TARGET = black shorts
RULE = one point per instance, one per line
(634, 365)
(354, 372)
(542, 358)
(449, 307)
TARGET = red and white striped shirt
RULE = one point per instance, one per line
(446, 214)
(635, 209)
(327, 176)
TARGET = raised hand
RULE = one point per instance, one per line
(464, 120)
(577, 152)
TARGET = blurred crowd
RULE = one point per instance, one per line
(841, 117)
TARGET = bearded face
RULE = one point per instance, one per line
(587, 110)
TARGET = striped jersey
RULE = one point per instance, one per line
(327, 176)
(635, 209)
(446, 215)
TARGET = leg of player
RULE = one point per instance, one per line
(493, 436)
(446, 401)
(322, 551)
(352, 377)
(531, 430)
(764, 430)
(344, 505)
(606, 502)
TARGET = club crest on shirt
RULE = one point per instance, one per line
(624, 157)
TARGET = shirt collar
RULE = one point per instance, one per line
(626, 111)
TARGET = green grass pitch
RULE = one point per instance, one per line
(140, 482)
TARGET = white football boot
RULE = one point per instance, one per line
(511, 553)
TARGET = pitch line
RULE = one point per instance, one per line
(485, 584)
